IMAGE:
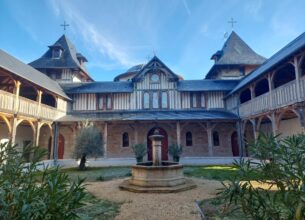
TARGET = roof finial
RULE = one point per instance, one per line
(64, 25)
(232, 22)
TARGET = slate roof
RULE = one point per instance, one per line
(151, 116)
(98, 87)
(30, 74)
(206, 85)
(67, 60)
(235, 52)
(131, 71)
(291, 48)
(155, 59)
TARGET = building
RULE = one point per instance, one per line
(242, 94)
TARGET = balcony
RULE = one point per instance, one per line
(282, 96)
(27, 107)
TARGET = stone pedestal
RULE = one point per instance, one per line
(156, 139)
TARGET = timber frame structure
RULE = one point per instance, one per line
(45, 102)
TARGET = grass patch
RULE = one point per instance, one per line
(215, 209)
(98, 173)
(98, 209)
(215, 172)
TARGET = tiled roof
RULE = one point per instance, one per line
(206, 85)
(131, 71)
(30, 74)
(97, 87)
(291, 48)
(151, 115)
(67, 60)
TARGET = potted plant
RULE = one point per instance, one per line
(175, 151)
(139, 151)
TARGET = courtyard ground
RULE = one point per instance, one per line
(112, 203)
(170, 206)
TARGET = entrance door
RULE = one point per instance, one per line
(61, 146)
(164, 147)
(235, 145)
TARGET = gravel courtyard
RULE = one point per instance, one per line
(172, 206)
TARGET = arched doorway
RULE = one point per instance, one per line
(164, 147)
(234, 144)
(61, 146)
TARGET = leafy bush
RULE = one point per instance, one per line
(140, 151)
(281, 165)
(88, 143)
(29, 192)
(175, 151)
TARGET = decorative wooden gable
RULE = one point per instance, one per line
(154, 69)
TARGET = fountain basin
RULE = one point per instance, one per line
(166, 178)
(147, 175)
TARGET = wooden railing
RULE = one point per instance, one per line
(276, 98)
(27, 107)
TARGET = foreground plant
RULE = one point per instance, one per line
(280, 165)
(139, 151)
(27, 191)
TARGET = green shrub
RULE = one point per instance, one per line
(29, 192)
(175, 151)
(88, 143)
(281, 163)
(140, 151)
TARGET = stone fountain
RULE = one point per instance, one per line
(157, 176)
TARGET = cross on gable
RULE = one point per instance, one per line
(64, 25)
(232, 22)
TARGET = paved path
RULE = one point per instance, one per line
(145, 206)
(131, 161)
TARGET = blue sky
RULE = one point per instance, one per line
(116, 34)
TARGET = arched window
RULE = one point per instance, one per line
(146, 100)
(261, 87)
(284, 75)
(125, 139)
(188, 139)
(245, 96)
(215, 138)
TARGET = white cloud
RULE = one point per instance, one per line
(187, 9)
(93, 36)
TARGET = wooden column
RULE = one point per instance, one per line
(16, 92)
(240, 134)
(252, 91)
(105, 137)
(14, 124)
(210, 139)
(297, 77)
(36, 140)
(55, 146)
(270, 90)
(301, 114)
(39, 96)
(253, 122)
(178, 133)
(274, 124)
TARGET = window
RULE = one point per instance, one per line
(125, 139)
(215, 138)
(101, 102)
(104, 101)
(154, 78)
(146, 100)
(188, 139)
(109, 102)
(164, 100)
(202, 100)
(155, 100)
(56, 53)
(196, 100)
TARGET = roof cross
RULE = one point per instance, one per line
(64, 25)
(232, 22)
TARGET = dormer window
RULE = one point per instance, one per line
(56, 53)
